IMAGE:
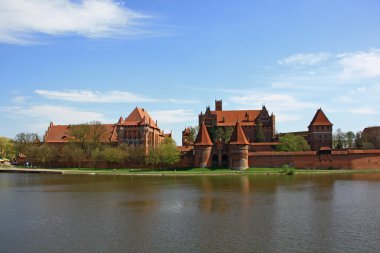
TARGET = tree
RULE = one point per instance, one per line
(43, 154)
(358, 140)
(114, 155)
(193, 134)
(72, 154)
(7, 149)
(134, 154)
(165, 153)
(339, 140)
(221, 133)
(350, 137)
(96, 133)
(169, 152)
(23, 141)
(79, 134)
(259, 134)
(290, 142)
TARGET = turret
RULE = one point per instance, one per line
(218, 105)
(238, 149)
(320, 131)
(202, 148)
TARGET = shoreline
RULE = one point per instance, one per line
(128, 172)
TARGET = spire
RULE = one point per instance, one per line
(203, 138)
(238, 136)
(320, 119)
(120, 120)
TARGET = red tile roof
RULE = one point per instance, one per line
(203, 138)
(138, 117)
(238, 136)
(320, 119)
(61, 133)
(229, 118)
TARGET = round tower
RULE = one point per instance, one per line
(202, 148)
(238, 149)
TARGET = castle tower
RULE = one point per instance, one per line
(202, 148)
(238, 149)
(218, 105)
(320, 132)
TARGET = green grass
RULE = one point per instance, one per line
(205, 171)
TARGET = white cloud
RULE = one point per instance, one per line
(360, 64)
(363, 110)
(304, 59)
(173, 116)
(184, 101)
(112, 96)
(285, 117)
(58, 114)
(19, 99)
(370, 93)
(273, 102)
(22, 20)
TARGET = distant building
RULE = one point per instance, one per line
(320, 132)
(225, 138)
(371, 137)
(138, 130)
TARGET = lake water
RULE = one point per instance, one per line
(83, 213)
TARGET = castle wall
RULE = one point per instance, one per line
(353, 159)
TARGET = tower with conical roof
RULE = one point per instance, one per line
(238, 149)
(320, 131)
(202, 148)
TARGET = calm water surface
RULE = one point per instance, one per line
(81, 213)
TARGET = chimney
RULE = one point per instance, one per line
(218, 105)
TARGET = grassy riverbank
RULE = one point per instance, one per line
(193, 171)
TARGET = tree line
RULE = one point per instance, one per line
(88, 143)
(358, 140)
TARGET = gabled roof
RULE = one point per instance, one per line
(138, 117)
(61, 134)
(320, 119)
(203, 138)
(229, 118)
(238, 136)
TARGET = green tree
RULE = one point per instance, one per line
(43, 154)
(193, 134)
(114, 155)
(350, 137)
(72, 154)
(221, 133)
(165, 153)
(290, 142)
(7, 149)
(79, 135)
(169, 152)
(339, 139)
(358, 140)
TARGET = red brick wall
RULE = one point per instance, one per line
(354, 159)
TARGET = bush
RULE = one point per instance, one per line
(288, 170)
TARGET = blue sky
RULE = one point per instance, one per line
(77, 61)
